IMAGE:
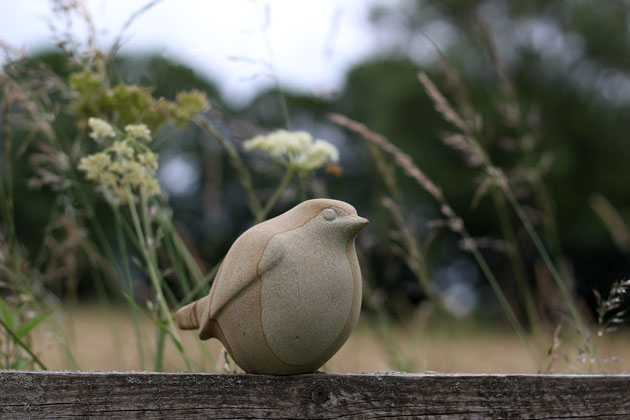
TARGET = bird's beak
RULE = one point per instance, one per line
(357, 223)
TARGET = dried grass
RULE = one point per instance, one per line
(426, 343)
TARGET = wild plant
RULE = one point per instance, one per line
(107, 164)
(451, 220)
(111, 159)
(467, 140)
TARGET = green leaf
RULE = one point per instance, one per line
(22, 344)
(30, 324)
(6, 314)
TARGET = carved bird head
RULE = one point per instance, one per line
(339, 223)
(332, 219)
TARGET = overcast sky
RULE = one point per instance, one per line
(240, 44)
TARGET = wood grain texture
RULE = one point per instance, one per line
(95, 395)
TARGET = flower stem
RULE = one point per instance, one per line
(155, 280)
(301, 189)
(276, 195)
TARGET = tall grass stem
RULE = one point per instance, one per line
(22, 344)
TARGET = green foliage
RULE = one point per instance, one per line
(130, 104)
(15, 347)
(187, 105)
(90, 92)
(74, 236)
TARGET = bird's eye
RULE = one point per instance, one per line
(329, 214)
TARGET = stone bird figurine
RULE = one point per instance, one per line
(288, 293)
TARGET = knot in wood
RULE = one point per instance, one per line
(319, 394)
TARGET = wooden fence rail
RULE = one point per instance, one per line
(72, 395)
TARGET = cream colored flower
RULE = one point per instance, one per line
(122, 173)
(294, 149)
(123, 195)
(109, 179)
(316, 155)
(138, 131)
(116, 167)
(134, 174)
(151, 187)
(94, 165)
(149, 159)
(100, 128)
(122, 149)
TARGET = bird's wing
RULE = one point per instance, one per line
(243, 265)
(272, 255)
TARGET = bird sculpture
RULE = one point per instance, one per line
(288, 293)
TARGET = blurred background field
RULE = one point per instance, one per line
(101, 340)
(486, 141)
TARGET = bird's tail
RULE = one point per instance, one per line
(188, 316)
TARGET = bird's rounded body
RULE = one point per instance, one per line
(288, 292)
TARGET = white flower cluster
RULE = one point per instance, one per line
(120, 172)
(100, 128)
(126, 167)
(138, 131)
(295, 149)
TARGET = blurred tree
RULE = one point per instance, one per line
(567, 70)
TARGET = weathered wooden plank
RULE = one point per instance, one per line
(65, 395)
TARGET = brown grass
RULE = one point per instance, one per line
(101, 340)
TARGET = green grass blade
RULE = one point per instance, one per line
(6, 314)
(26, 328)
(22, 344)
